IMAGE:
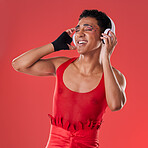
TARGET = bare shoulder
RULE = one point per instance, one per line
(57, 61)
(120, 77)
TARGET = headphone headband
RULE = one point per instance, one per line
(112, 25)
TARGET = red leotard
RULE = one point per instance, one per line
(76, 116)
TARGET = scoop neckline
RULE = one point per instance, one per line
(73, 59)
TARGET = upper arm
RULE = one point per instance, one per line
(44, 67)
(122, 82)
(120, 78)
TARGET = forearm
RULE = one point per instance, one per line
(114, 94)
(30, 57)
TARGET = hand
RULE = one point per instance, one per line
(61, 42)
(70, 32)
(109, 45)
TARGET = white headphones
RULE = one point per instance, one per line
(106, 30)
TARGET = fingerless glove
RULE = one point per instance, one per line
(62, 41)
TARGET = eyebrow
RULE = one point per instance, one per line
(83, 25)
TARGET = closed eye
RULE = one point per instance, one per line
(88, 29)
(85, 29)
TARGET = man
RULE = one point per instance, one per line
(86, 85)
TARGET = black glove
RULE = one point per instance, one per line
(62, 41)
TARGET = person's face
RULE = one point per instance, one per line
(87, 35)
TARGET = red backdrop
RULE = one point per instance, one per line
(26, 100)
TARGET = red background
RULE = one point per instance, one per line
(26, 100)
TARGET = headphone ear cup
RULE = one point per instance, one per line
(107, 30)
(73, 38)
(108, 33)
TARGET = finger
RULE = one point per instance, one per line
(111, 33)
(68, 31)
(113, 36)
(105, 40)
(73, 29)
(110, 38)
(71, 47)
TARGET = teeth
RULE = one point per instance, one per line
(81, 42)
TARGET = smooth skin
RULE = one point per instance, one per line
(94, 59)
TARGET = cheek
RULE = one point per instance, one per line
(94, 37)
(95, 34)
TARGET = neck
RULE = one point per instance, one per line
(89, 63)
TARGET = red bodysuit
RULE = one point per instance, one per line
(76, 116)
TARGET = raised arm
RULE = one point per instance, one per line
(31, 63)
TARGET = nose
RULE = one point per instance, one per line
(80, 33)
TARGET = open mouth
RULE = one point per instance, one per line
(82, 42)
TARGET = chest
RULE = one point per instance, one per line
(77, 82)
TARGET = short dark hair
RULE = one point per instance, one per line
(103, 20)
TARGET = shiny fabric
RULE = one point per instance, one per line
(61, 138)
(76, 116)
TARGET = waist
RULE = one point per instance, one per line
(80, 138)
(88, 125)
